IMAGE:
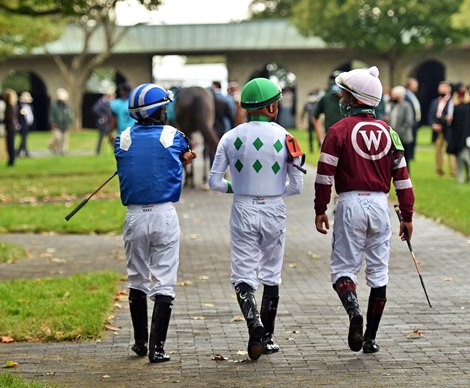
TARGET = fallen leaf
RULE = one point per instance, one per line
(106, 376)
(50, 373)
(203, 277)
(292, 265)
(242, 353)
(199, 318)
(416, 334)
(6, 339)
(194, 236)
(238, 318)
(447, 279)
(112, 328)
(57, 260)
(208, 305)
(10, 364)
(239, 361)
(184, 283)
(121, 292)
(119, 298)
(294, 331)
(219, 357)
(313, 255)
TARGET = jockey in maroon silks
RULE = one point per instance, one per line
(362, 155)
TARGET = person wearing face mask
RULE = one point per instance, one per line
(459, 140)
(401, 120)
(440, 116)
(362, 155)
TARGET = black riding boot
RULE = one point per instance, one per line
(247, 302)
(138, 309)
(346, 290)
(375, 310)
(268, 316)
(158, 331)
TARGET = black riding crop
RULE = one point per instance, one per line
(397, 210)
(84, 202)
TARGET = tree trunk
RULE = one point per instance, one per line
(76, 89)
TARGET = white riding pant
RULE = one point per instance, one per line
(151, 241)
(258, 231)
(361, 231)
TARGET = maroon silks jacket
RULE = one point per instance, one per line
(358, 152)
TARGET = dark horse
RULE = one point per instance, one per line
(194, 112)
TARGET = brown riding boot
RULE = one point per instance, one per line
(374, 314)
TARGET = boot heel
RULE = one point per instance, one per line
(255, 344)
(355, 337)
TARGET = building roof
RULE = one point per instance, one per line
(269, 34)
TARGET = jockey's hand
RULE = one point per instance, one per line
(320, 220)
(188, 157)
(406, 230)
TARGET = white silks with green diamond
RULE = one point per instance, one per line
(256, 154)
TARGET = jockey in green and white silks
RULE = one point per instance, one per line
(256, 155)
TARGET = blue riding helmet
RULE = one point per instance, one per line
(145, 99)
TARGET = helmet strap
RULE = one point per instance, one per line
(268, 113)
(158, 118)
(352, 107)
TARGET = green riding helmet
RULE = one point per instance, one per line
(259, 93)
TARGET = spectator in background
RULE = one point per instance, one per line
(119, 108)
(411, 90)
(26, 122)
(382, 112)
(11, 123)
(307, 113)
(401, 120)
(103, 117)
(286, 116)
(328, 107)
(234, 96)
(60, 119)
(459, 137)
(224, 114)
(441, 111)
(2, 122)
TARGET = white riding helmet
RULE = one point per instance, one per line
(364, 84)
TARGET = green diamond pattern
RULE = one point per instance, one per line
(278, 145)
(238, 165)
(258, 143)
(257, 165)
(238, 143)
(276, 167)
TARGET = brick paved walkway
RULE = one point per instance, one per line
(311, 326)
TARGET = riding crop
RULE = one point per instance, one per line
(84, 202)
(397, 210)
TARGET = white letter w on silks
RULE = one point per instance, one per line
(168, 136)
(371, 139)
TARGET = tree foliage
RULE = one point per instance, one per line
(91, 16)
(390, 27)
(21, 33)
(265, 9)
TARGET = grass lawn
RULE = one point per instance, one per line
(11, 380)
(9, 253)
(58, 309)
